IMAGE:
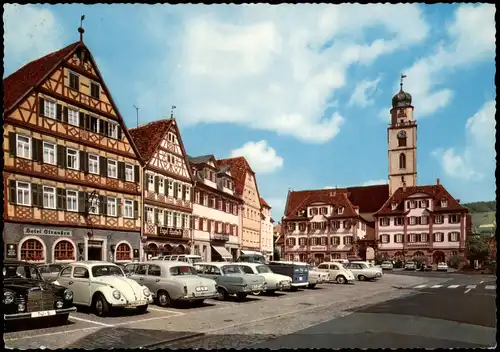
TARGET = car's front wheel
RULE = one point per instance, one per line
(163, 299)
(361, 278)
(222, 294)
(311, 285)
(101, 306)
(341, 279)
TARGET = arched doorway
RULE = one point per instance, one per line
(302, 257)
(418, 254)
(319, 258)
(123, 252)
(438, 257)
(181, 249)
(152, 250)
(167, 249)
(32, 249)
(398, 255)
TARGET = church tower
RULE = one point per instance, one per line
(402, 142)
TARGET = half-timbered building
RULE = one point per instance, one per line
(216, 210)
(246, 188)
(167, 189)
(71, 173)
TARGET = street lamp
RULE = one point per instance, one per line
(90, 207)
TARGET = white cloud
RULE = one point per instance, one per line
(471, 37)
(268, 67)
(477, 159)
(261, 157)
(29, 33)
(364, 92)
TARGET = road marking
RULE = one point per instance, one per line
(453, 286)
(420, 286)
(436, 286)
(165, 311)
(50, 334)
(468, 290)
(470, 287)
(148, 319)
(490, 287)
(91, 321)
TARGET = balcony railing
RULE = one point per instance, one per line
(220, 237)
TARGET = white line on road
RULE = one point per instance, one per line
(91, 321)
(490, 287)
(436, 286)
(165, 311)
(148, 319)
(420, 286)
(50, 334)
(468, 290)
(453, 286)
(470, 287)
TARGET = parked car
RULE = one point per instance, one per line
(26, 295)
(129, 268)
(387, 265)
(103, 286)
(426, 267)
(49, 272)
(410, 266)
(371, 266)
(188, 258)
(298, 271)
(362, 271)
(172, 281)
(252, 258)
(231, 279)
(316, 277)
(274, 282)
(442, 267)
(336, 272)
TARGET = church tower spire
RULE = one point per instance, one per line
(402, 142)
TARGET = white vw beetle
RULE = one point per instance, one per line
(274, 282)
(171, 281)
(103, 286)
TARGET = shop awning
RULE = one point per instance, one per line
(250, 252)
(223, 252)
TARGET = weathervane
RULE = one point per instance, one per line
(401, 84)
(172, 111)
(80, 29)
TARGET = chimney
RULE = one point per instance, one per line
(437, 181)
(404, 186)
(458, 201)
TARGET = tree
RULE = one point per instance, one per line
(454, 261)
(477, 247)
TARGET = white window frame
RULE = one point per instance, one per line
(412, 220)
(228, 206)
(110, 201)
(92, 163)
(112, 130)
(188, 193)
(128, 209)
(170, 183)
(444, 203)
(348, 240)
(399, 238)
(185, 221)
(21, 186)
(150, 215)
(197, 197)
(23, 144)
(151, 182)
(49, 196)
(205, 200)
(424, 237)
(439, 236)
(98, 127)
(161, 185)
(340, 210)
(170, 219)
(440, 217)
(205, 225)
(424, 220)
(161, 217)
(76, 158)
(110, 167)
(49, 147)
(178, 220)
(394, 206)
(73, 195)
(129, 173)
(93, 205)
(413, 238)
(386, 222)
(453, 217)
(73, 117)
(454, 233)
(50, 109)
(179, 191)
(413, 204)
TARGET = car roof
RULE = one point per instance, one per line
(92, 263)
(249, 264)
(168, 263)
(218, 264)
(287, 262)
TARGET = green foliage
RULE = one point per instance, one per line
(478, 248)
(454, 261)
(481, 207)
(420, 260)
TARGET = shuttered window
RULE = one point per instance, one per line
(49, 197)
(23, 193)
(72, 200)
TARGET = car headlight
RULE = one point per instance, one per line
(146, 291)
(68, 295)
(117, 294)
(8, 298)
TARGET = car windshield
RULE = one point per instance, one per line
(386, 262)
(21, 271)
(195, 260)
(107, 270)
(182, 270)
(232, 269)
(263, 269)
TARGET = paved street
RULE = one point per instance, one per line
(223, 324)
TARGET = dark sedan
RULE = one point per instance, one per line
(27, 296)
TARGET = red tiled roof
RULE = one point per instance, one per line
(331, 197)
(16, 85)
(149, 136)
(436, 192)
(277, 229)
(239, 167)
(369, 199)
(263, 203)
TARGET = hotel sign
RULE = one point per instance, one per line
(318, 248)
(46, 232)
(167, 231)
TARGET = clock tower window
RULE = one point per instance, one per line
(402, 161)
(402, 139)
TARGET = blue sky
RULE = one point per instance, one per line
(302, 91)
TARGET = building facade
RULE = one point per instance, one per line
(398, 220)
(72, 181)
(216, 210)
(246, 188)
(266, 230)
(167, 192)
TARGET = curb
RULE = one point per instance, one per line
(175, 339)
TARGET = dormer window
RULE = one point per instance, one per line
(171, 137)
(394, 206)
(323, 210)
(444, 203)
(340, 210)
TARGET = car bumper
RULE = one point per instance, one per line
(300, 284)
(134, 304)
(198, 296)
(40, 314)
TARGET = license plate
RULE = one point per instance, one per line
(300, 278)
(138, 303)
(255, 287)
(43, 313)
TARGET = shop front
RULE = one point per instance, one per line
(51, 244)
(169, 241)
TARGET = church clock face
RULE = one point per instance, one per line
(401, 134)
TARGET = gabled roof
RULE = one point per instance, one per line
(263, 203)
(203, 159)
(436, 192)
(148, 137)
(239, 167)
(20, 83)
(369, 199)
(337, 199)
